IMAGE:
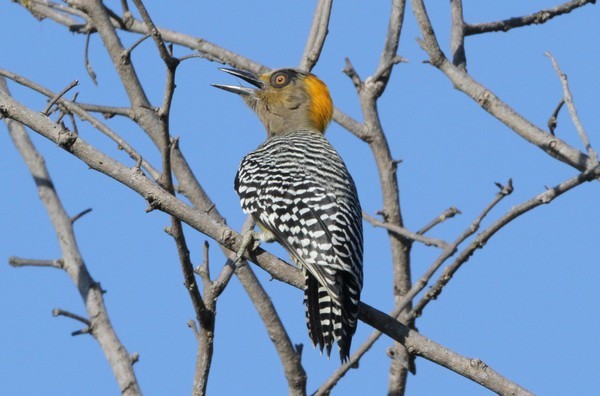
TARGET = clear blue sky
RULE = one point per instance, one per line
(527, 304)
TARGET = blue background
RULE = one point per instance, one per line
(527, 304)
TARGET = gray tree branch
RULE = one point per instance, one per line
(200, 220)
(317, 35)
(533, 19)
(462, 81)
(72, 262)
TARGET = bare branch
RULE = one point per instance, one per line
(25, 262)
(481, 239)
(80, 215)
(88, 65)
(73, 264)
(448, 214)
(316, 37)
(169, 60)
(457, 35)
(353, 74)
(417, 344)
(350, 124)
(59, 95)
(176, 231)
(369, 91)
(553, 120)
(573, 111)
(203, 222)
(289, 357)
(405, 232)
(417, 287)
(106, 111)
(59, 312)
(389, 56)
(84, 115)
(462, 81)
(533, 19)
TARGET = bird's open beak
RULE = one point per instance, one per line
(244, 75)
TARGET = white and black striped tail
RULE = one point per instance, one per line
(326, 319)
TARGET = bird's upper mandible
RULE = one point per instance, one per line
(285, 100)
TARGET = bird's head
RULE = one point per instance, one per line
(285, 100)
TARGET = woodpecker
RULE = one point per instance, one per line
(300, 193)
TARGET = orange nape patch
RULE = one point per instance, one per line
(321, 106)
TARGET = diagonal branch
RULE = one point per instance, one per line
(77, 109)
(481, 239)
(417, 287)
(317, 35)
(462, 81)
(533, 19)
(568, 99)
(405, 233)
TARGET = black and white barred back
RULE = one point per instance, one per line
(297, 187)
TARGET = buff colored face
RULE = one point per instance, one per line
(291, 100)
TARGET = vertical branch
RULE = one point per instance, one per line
(457, 35)
(100, 327)
(206, 334)
(369, 91)
(316, 37)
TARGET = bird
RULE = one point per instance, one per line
(301, 194)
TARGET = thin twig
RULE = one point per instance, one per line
(106, 111)
(59, 95)
(553, 120)
(84, 115)
(405, 232)
(192, 325)
(155, 33)
(228, 270)
(532, 19)
(88, 65)
(203, 270)
(80, 215)
(353, 74)
(447, 214)
(139, 41)
(60, 312)
(568, 98)
(26, 262)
